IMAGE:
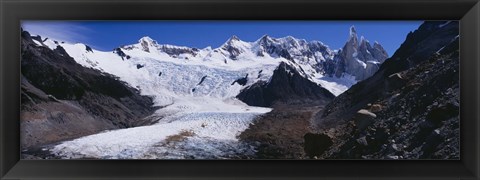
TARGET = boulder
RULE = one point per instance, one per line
(376, 108)
(363, 141)
(440, 114)
(363, 119)
(316, 144)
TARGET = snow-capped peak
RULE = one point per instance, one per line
(147, 39)
(147, 43)
(292, 41)
(363, 40)
(233, 41)
(318, 43)
(353, 38)
(265, 38)
(353, 32)
(234, 38)
(233, 47)
(289, 38)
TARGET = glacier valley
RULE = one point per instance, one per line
(197, 88)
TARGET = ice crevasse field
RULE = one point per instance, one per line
(197, 96)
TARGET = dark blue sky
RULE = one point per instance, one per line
(106, 35)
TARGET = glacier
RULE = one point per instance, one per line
(196, 89)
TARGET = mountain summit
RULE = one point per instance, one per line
(359, 59)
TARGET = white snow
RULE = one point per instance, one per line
(363, 64)
(50, 43)
(374, 62)
(444, 24)
(455, 38)
(142, 142)
(37, 43)
(353, 32)
(336, 85)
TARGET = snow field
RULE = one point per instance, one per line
(212, 130)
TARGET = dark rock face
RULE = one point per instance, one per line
(61, 99)
(175, 51)
(140, 66)
(329, 67)
(415, 97)
(242, 81)
(149, 45)
(88, 49)
(270, 46)
(378, 52)
(231, 48)
(61, 51)
(290, 48)
(120, 53)
(37, 38)
(316, 144)
(286, 86)
(201, 80)
(145, 43)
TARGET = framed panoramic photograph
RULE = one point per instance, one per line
(239, 89)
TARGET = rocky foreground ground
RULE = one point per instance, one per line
(280, 133)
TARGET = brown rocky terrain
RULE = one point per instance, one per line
(280, 133)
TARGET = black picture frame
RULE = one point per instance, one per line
(13, 11)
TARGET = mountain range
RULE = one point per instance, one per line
(239, 100)
(356, 58)
(180, 80)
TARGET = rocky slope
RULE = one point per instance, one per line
(279, 134)
(63, 100)
(409, 109)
